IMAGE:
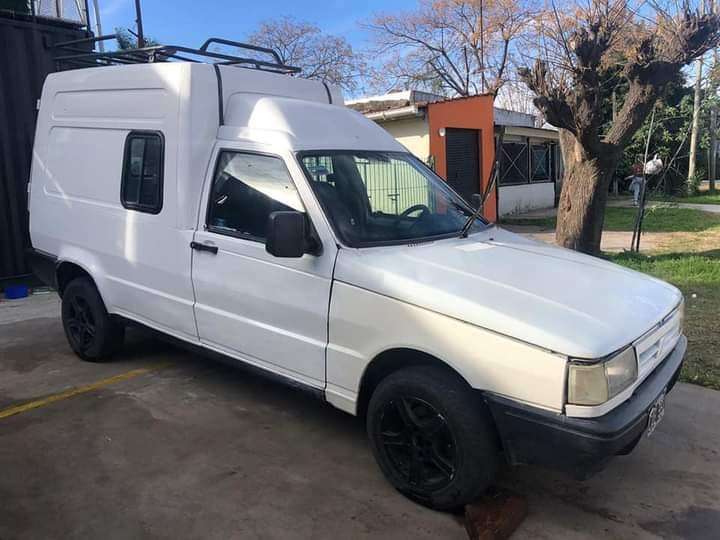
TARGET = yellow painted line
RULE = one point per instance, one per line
(79, 390)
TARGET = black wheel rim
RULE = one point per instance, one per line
(80, 321)
(419, 443)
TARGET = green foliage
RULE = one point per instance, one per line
(671, 128)
(657, 219)
(127, 40)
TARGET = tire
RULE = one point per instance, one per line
(91, 332)
(432, 437)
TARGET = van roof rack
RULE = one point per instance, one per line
(75, 54)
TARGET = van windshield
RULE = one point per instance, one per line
(378, 198)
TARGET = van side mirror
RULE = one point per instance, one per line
(286, 234)
(476, 200)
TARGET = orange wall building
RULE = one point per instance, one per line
(456, 126)
(457, 138)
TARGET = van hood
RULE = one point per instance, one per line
(551, 297)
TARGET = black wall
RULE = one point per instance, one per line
(26, 57)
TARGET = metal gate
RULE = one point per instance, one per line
(25, 60)
(462, 153)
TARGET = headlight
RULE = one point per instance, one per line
(597, 383)
(681, 312)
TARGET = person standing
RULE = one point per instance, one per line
(636, 182)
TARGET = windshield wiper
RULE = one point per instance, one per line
(469, 223)
(493, 177)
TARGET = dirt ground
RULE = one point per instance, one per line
(612, 241)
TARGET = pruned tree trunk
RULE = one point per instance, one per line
(581, 210)
(576, 99)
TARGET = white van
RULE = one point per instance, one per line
(252, 214)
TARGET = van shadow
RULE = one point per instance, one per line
(227, 377)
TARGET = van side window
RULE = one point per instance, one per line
(246, 189)
(142, 179)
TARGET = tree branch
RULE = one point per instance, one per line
(550, 99)
(655, 64)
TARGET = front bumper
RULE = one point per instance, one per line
(581, 446)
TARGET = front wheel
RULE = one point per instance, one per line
(432, 437)
(89, 328)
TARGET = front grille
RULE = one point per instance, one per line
(654, 346)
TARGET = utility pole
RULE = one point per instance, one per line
(482, 49)
(713, 147)
(614, 104)
(98, 26)
(696, 113)
(615, 183)
(713, 116)
(138, 20)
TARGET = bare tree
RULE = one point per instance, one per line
(587, 51)
(516, 96)
(460, 47)
(321, 56)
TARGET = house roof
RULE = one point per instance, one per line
(412, 103)
(506, 117)
(367, 107)
(407, 103)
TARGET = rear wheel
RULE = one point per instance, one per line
(432, 437)
(89, 328)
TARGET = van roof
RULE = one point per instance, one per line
(256, 105)
(266, 103)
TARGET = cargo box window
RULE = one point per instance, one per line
(142, 179)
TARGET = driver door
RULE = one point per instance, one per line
(265, 310)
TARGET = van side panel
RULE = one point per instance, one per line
(140, 261)
(364, 324)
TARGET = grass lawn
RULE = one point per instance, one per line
(697, 275)
(701, 198)
(657, 219)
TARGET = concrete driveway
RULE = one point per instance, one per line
(166, 444)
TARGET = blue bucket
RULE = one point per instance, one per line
(13, 293)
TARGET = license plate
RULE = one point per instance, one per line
(657, 411)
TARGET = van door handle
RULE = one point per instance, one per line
(204, 247)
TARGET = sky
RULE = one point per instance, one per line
(189, 23)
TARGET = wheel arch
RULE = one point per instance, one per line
(391, 360)
(68, 269)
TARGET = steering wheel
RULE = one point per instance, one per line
(414, 208)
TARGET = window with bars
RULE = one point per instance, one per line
(514, 163)
(540, 163)
(524, 162)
